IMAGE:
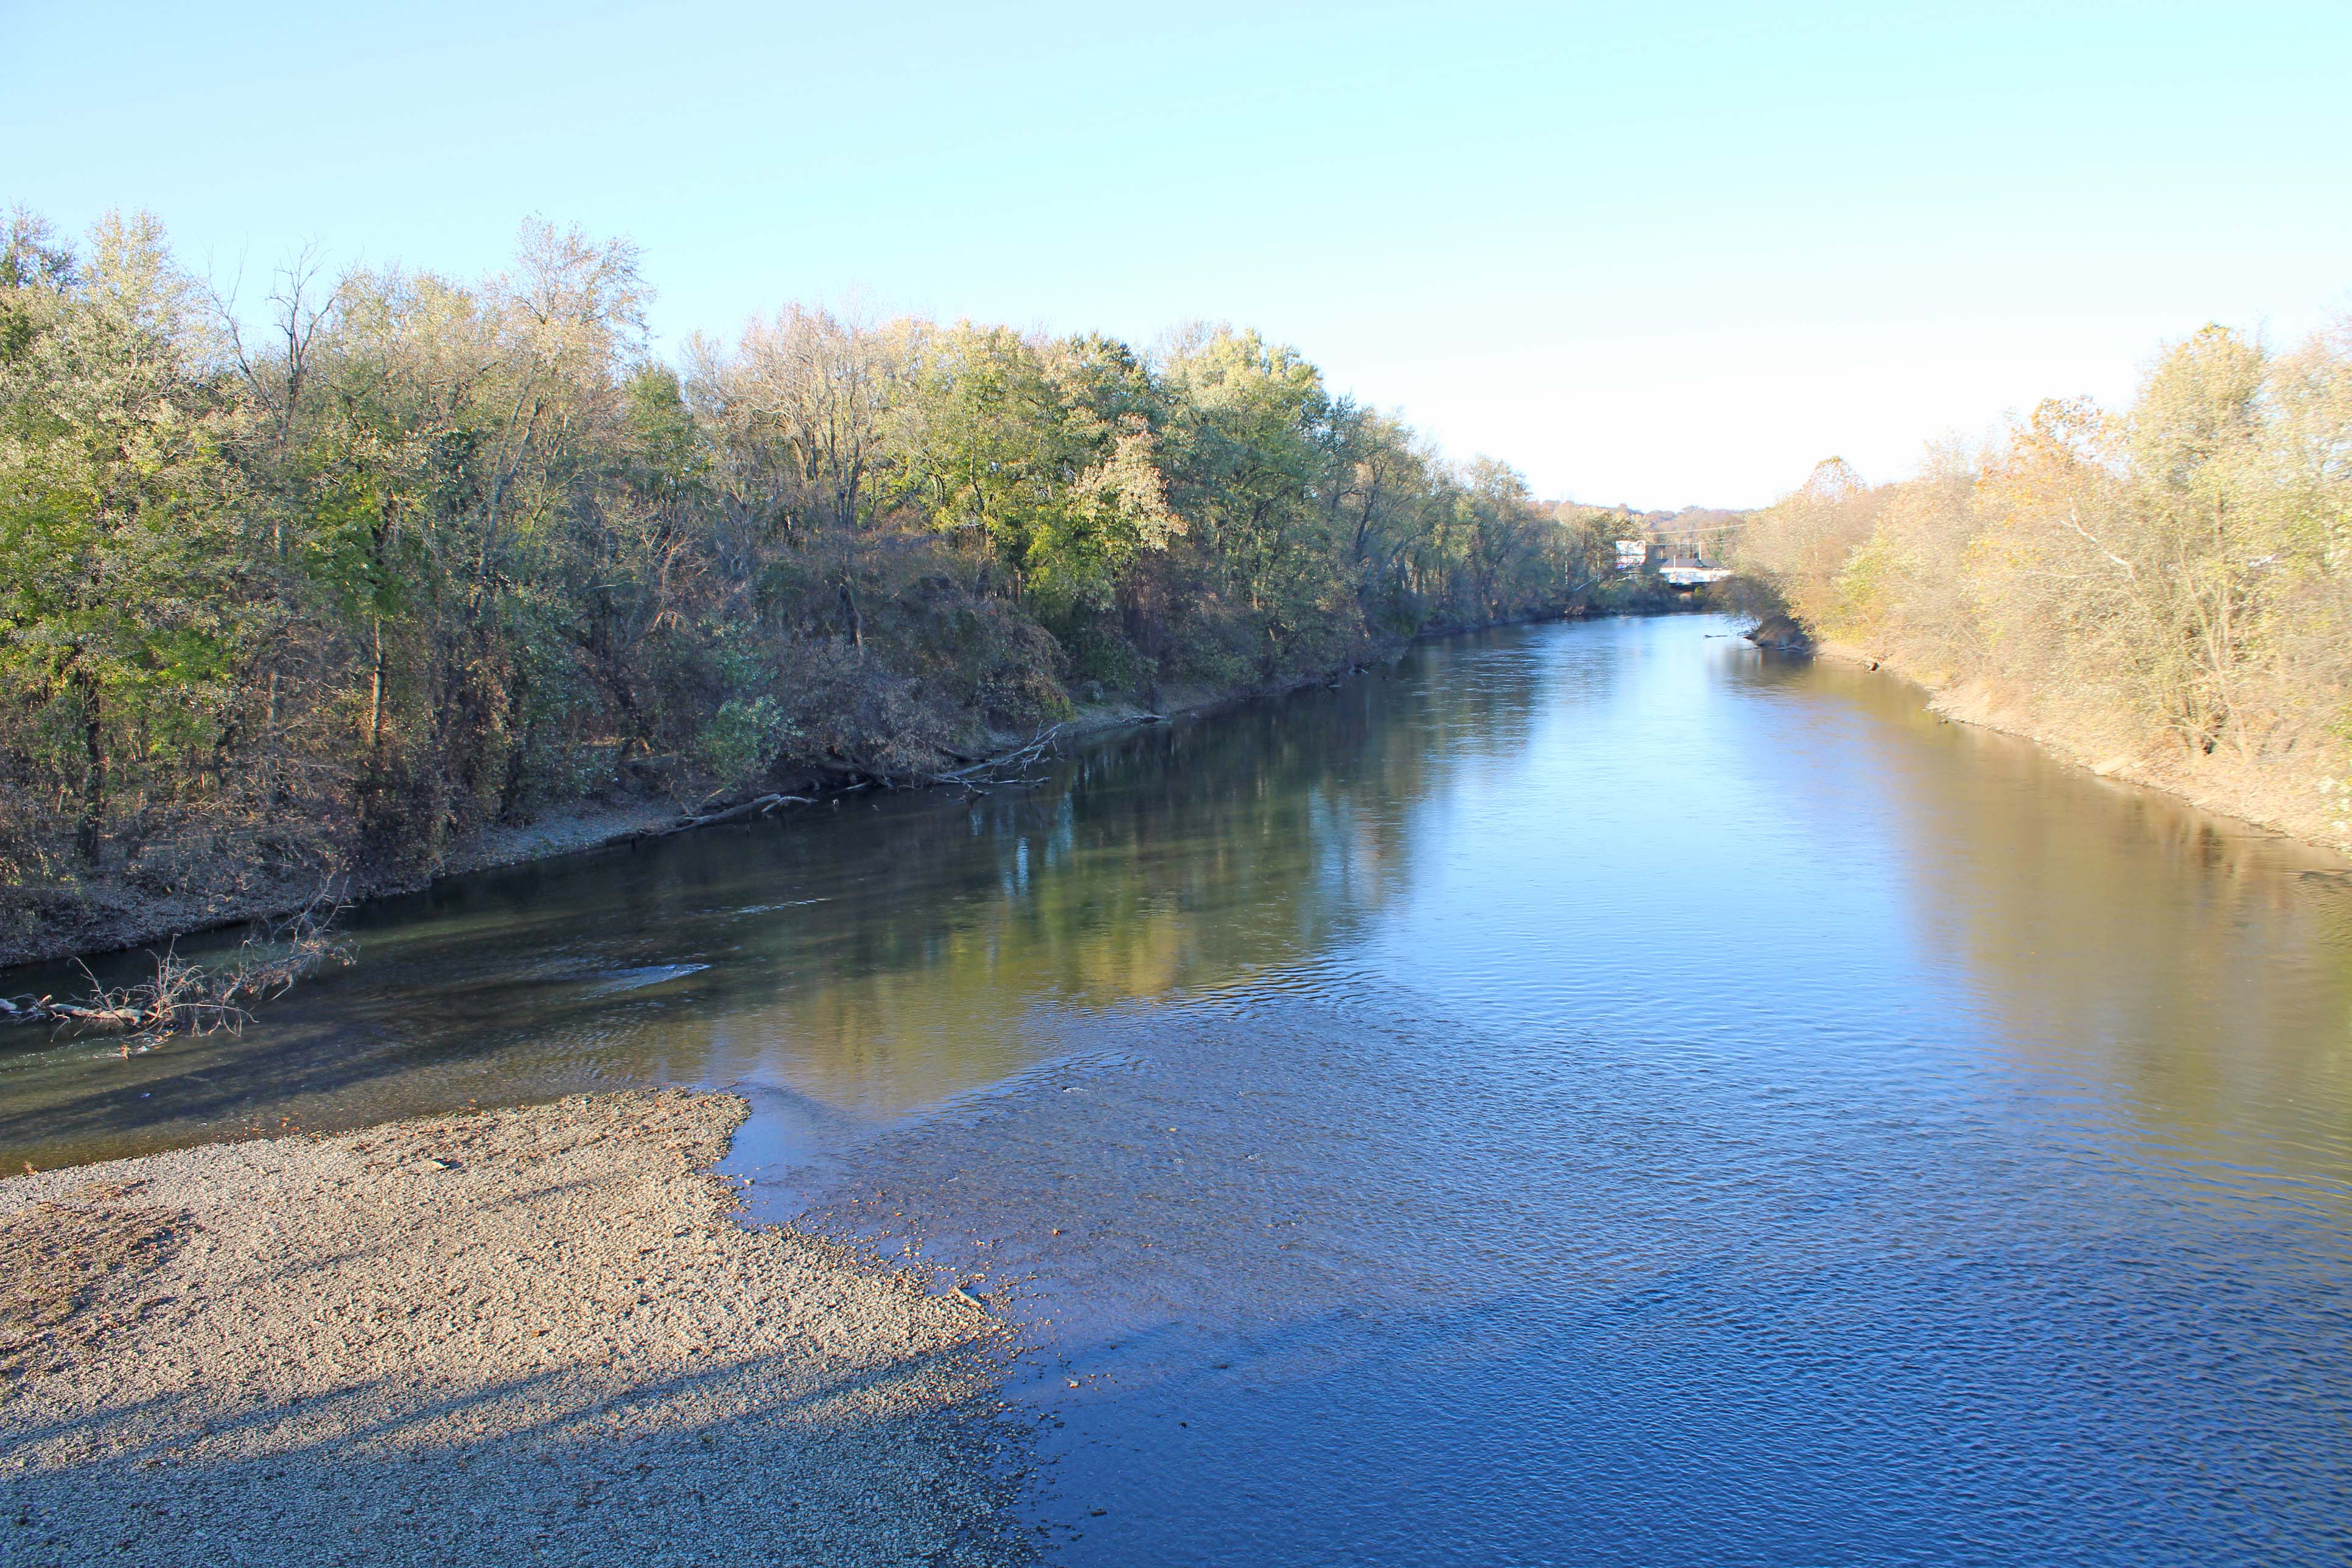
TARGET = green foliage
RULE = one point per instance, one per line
(741, 739)
(431, 554)
(122, 597)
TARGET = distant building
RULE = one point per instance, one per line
(1690, 571)
(1630, 554)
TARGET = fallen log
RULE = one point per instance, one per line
(187, 998)
(760, 806)
(48, 1010)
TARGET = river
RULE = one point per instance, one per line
(1593, 1094)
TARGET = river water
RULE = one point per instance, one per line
(1595, 1094)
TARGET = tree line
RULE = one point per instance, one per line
(2167, 587)
(335, 579)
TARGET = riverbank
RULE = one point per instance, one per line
(114, 918)
(106, 916)
(534, 1335)
(2303, 799)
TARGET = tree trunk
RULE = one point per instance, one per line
(375, 697)
(88, 834)
(856, 622)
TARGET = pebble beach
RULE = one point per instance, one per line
(540, 1335)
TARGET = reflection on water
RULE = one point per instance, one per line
(1597, 1094)
(879, 955)
(2197, 980)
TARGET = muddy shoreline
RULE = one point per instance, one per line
(531, 1335)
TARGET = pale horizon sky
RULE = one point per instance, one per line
(1669, 254)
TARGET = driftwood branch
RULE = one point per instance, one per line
(186, 998)
(760, 806)
(1019, 757)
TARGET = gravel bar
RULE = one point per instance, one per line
(520, 1336)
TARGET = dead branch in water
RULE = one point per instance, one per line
(760, 806)
(187, 998)
(1019, 757)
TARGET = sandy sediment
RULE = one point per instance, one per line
(526, 1336)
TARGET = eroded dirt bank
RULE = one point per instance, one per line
(2300, 796)
(525, 1336)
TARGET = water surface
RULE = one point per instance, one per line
(1595, 1094)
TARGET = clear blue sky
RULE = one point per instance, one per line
(1663, 254)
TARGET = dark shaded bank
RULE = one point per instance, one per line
(117, 918)
(114, 916)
